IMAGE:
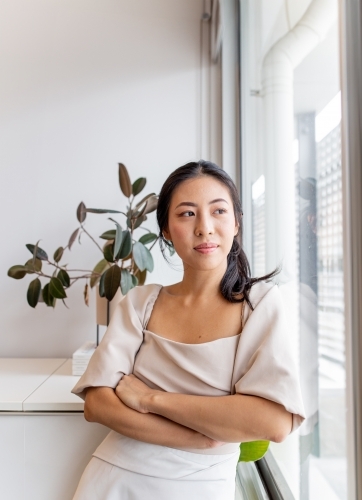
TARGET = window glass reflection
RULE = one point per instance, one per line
(291, 139)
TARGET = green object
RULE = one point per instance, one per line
(253, 450)
(126, 259)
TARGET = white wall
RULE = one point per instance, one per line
(86, 84)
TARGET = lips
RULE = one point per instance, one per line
(206, 245)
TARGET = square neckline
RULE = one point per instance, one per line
(150, 307)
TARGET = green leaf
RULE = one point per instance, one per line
(58, 254)
(102, 211)
(102, 291)
(140, 203)
(56, 289)
(253, 450)
(98, 269)
(126, 281)
(73, 238)
(40, 253)
(139, 221)
(142, 277)
(17, 272)
(112, 281)
(124, 180)
(148, 238)
(138, 185)
(152, 202)
(138, 213)
(33, 266)
(64, 278)
(47, 297)
(33, 294)
(118, 241)
(81, 212)
(142, 257)
(108, 252)
(109, 235)
(134, 280)
(126, 245)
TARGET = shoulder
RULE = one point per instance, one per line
(142, 297)
(261, 292)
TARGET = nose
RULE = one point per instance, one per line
(204, 225)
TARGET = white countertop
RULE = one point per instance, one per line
(38, 385)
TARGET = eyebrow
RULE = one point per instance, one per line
(192, 204)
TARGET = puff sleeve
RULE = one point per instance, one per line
(115, 355)
(264, 364)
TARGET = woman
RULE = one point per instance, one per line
(186, 372)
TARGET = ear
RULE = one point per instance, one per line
(237, 227)
(166, 234)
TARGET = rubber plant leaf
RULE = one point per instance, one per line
(64, 278)
(124, 180)
(97, 272)
(112, 281)
(17, 272)
(102, 211)
(148, 238)
(126, 245)
(39, 254)
(56, 288)
(33, 293)
(151, 204)
(142, 257)
(47, 297)
(139, 221)
(108, 251)
(109, 235)
(138, 185)
(33, 267)
(81, 212)
(117, 241)
(126, 281)
(140, 203)
(58, 254)
(86, 294)
(72, 238)
(102, 291)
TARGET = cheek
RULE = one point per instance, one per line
(180, 232)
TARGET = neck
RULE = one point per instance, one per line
(201, 284)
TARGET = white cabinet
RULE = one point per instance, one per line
(45, 443)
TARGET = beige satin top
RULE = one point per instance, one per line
(258, 361)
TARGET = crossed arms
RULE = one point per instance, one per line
(185, 421)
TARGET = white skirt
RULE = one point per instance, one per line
(183, 475)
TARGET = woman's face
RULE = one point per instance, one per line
(201, 213)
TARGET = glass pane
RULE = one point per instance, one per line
(292, 188)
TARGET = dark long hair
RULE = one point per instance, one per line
(237, 279)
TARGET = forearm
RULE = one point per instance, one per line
(103, 406)
(236, 418)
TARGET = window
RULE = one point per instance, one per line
(292, 189)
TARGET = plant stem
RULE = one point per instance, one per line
(91, 237)
(154, 243)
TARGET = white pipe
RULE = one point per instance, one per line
(277, 92)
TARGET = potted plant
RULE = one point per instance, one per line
(125, 260)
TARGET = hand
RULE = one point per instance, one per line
(134, 393)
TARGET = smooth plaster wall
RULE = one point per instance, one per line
(84, 85)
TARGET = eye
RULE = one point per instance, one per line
(221, 210)
(183, 213)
